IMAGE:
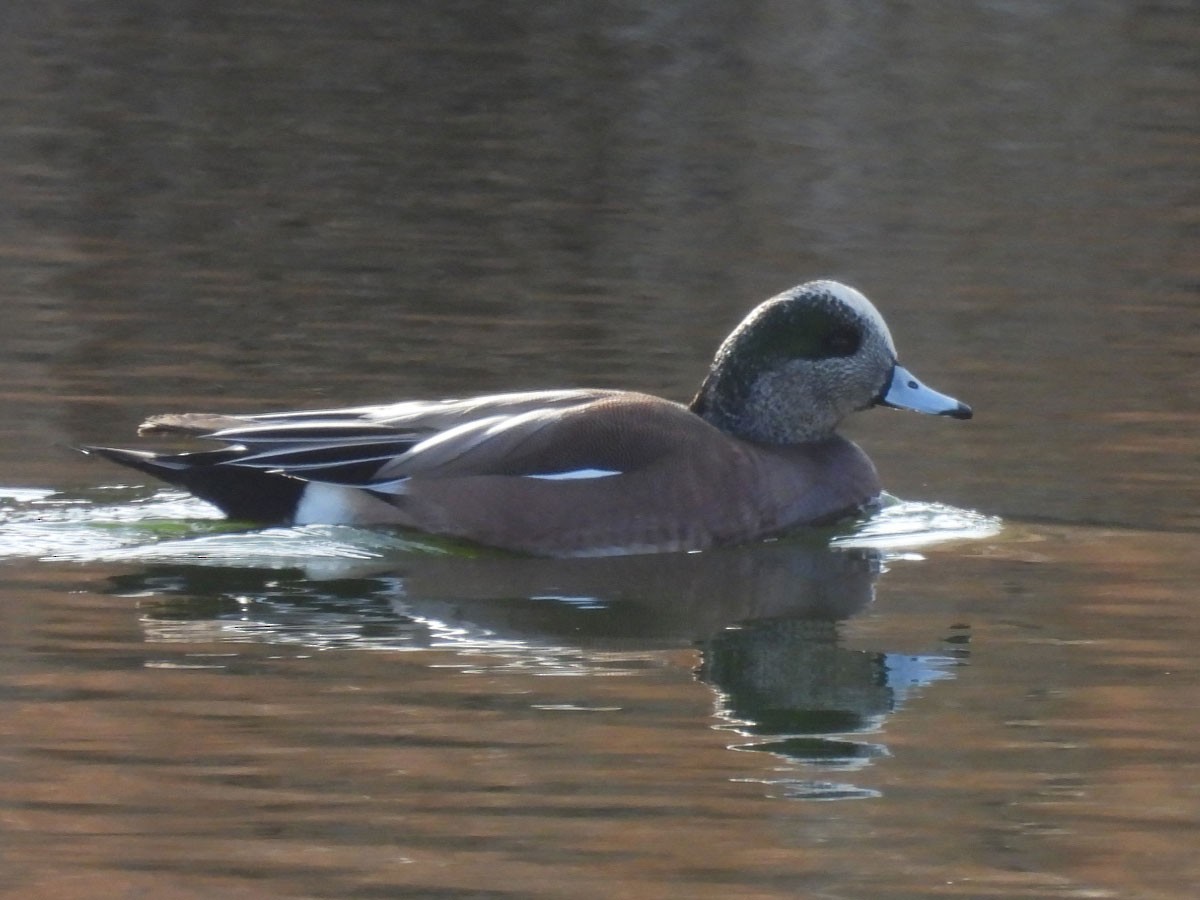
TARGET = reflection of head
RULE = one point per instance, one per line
(789, 686)
(791, 676)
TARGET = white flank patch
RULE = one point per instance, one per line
(575, 474)
(325, 504)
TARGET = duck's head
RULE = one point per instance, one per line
(804, 360)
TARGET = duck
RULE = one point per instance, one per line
(582, 472)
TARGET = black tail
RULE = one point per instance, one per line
(250, 495)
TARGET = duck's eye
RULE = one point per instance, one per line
(842, 341)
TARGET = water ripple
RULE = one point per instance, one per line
(124, 524)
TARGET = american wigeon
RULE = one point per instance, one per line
(583, 472)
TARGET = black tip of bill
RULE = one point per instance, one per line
(962, 411)
(904, 391)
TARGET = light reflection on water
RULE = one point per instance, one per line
(169, 525)
(814, 693)
(783, 682)
(251, 209)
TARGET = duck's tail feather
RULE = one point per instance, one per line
(243, 493)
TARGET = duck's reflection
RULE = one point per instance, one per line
(789, 688)
(629, 602)
(765, 619)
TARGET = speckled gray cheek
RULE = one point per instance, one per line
(790, 404)
(766, 415)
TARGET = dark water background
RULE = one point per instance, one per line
(253, 206)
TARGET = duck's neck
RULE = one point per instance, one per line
(754, 413)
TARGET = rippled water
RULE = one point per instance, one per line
(986, 690)
(211, 709)
(132, 524)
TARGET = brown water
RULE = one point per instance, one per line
(265, 205)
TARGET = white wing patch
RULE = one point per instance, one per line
(575, 474)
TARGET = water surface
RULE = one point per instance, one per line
(989, 690)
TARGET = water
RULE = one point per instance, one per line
(986, 690)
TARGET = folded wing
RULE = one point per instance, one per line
(267, 460)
